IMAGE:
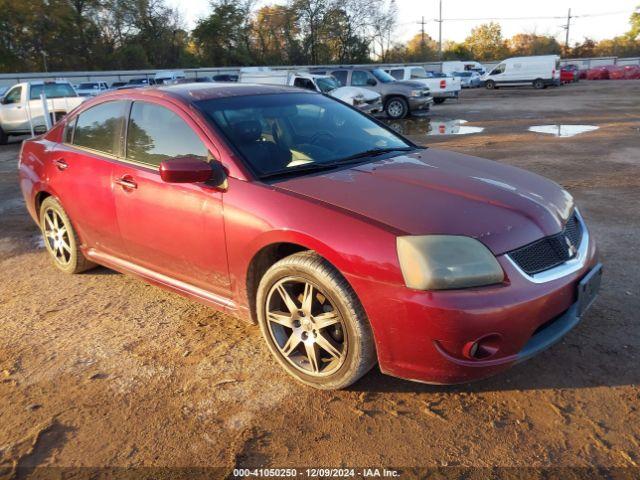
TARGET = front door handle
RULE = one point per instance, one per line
(126, 183)
(61, 164)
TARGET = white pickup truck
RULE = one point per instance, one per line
(442, 86)
(21, 108)
(361, 98)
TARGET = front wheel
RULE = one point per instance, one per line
(397, 107)
(490, 85)
(60, 239)
(439, 101)
(313, 322)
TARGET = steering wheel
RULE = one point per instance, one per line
(319, 135)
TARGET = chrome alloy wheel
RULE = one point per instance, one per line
(57, 237)
(306, 327)
(395, 109)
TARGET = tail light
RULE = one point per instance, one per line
(443, 84)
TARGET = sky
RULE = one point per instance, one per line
(589, 21)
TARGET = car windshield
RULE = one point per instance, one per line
(383, 76)
(327, 84)
(87, 86)
(294, 133)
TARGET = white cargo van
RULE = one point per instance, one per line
(457, 66)
(169, 77)
(538, 71)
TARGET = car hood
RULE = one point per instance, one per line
(439, 192)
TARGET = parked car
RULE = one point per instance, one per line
(21, 106)
(599, 73)
(91, 89)
(361, 98)
(569, 74)
(454, 66)
(205, 79)
(399, 99)
(468, 79)
(169, 77)
(115, 85)
(632, 72)
(347, 243)
(143, 82)
(225, 77)
(539, 71)
(616, 72)
(440, 85)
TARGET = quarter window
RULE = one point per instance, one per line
(397, 74)
(156, 134)
(100, 127)
(341, 76)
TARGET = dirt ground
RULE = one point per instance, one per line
(102, 370)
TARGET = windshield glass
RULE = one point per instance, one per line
(296, 132)
(383, 76)
(326, 84)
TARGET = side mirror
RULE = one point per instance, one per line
(191, 169)
(372, 82)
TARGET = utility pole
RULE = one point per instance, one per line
(440, 31)
(422, 30)
(566, 27)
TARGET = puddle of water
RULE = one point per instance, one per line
(425, 126)
(563, 130)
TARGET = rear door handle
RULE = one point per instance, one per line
(126, 183)
(61, 164)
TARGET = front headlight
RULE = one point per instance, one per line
(439, 262)
(416, 93)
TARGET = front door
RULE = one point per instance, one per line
(14, 113)
(176, 230)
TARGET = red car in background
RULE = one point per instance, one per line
(599, 73)
(616, 73)
(569, 74)
(347, 243)
(632, 72)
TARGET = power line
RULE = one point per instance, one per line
(555, 17)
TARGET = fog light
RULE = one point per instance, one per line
(483, 348)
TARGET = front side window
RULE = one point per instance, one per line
(99, 128)
(52, 90)
(359, 78)
(499, 69)
(304, 83)
(13, 96)
(398, 74)
(417, 72)
(289, 133)
(327, 84)
(156, 134)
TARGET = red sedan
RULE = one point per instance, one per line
(347, 243)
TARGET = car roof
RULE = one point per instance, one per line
(199, 91)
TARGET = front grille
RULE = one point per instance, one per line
(550, 251)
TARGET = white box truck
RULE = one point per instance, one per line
(539, 71)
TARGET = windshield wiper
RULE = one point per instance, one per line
(316, 167)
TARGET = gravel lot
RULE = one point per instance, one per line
(102, 370)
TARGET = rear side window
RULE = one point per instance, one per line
(341, 76)
(359, 78)
(99, 128)
(155, 134)
(397, 74)
(52, 90)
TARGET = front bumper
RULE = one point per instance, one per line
(425, 336)
(420, 103)
(370, 108)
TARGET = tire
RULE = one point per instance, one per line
(289, 326)
(538, 84)
(63, 248)
(490, 85)
(396, 108)
(4, 138)
(439, 101)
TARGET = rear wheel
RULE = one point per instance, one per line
(490, 85)
(60, 239)
(397, 107)
(313, 322)
(439, 101)
(538, 83)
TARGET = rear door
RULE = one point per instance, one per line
(14, 113)
(175, 229)
(82, 171)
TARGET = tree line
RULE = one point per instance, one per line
(64, 35)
